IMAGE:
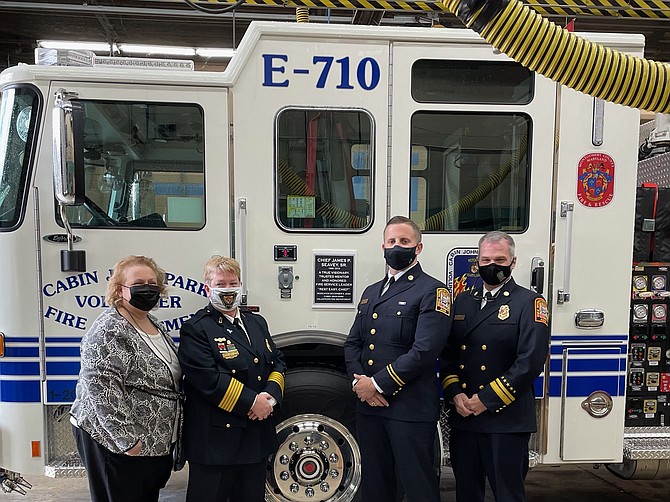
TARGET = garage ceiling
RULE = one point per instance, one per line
(174, 22)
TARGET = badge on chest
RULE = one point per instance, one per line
(503, 312)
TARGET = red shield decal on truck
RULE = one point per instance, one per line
(595, 180)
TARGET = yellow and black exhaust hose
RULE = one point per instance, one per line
(544, 47)
(302, 14)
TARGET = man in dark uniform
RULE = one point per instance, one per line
(497, 347)
(391, 352)
(234, 376)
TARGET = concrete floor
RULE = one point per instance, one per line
(544, 484)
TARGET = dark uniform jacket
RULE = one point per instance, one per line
(397, 338)
(497, 352)
(223, 374)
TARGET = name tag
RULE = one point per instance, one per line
(459, 317)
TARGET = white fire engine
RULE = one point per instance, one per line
(292, 160)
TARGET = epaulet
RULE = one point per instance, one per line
(248, 310)
(200, 314)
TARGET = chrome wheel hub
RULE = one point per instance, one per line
(317, 460)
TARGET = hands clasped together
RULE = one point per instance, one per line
(262, 407)
(468, 406)
(367, 392)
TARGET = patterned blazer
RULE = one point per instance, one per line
(125, 392)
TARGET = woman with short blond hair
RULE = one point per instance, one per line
(234, 379)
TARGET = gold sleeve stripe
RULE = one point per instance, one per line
(505, 386)
(232, 395)
(394, 375)
(504, 396)
(277, 378)
(448, 380)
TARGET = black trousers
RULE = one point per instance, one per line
(114, 477)
(395, 453)
(500, 458)
(226, 483)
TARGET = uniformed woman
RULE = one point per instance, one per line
(234, 379)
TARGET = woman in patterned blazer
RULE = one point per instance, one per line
(126, 414)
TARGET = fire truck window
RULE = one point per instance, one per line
(324, 170)
(447, 81)
(19, 107)
(144, 165)
(470, 171)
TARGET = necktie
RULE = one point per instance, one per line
(238, 324)
(488, 297)
(388, 284)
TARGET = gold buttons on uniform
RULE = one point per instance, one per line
(464, 385)
(228, 426)
(372, 346)
(483, 347)
(234, 371)
(256, 360)
(462, 366)
(259, 378)
(462, 347)
(370, 362)
(410, 277)
(373, 331)
(481, 387)
(374, 316)
(398, 313)
(483, 368)
(505, 293)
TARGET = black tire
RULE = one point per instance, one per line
(324, 396)
(319, 390)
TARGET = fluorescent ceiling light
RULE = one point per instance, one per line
(157, 49)
(70, 44)
(214, 52)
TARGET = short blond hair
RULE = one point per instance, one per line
(222, 263)
(113, 295)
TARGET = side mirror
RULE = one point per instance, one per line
(68, 149)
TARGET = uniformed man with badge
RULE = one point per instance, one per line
(391, 354)
(497, 347)
(234, 377)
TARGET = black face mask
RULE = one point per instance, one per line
(144, 297)
(494, 274)
(398, 257)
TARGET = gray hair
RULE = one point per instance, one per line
(497, 236)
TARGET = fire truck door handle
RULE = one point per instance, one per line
(537, 275)
(567, 210)
(242, 242)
